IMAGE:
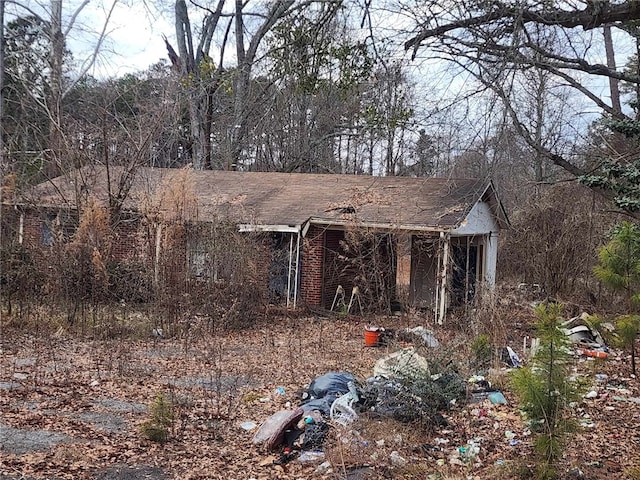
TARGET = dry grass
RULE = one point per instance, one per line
(216, 380)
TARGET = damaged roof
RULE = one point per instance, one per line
(270, 199)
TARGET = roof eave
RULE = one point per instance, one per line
(248, 227)
(383, 226)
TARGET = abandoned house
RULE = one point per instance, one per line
(428, 243)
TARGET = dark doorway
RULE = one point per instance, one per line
(279, 268)
(464, 257)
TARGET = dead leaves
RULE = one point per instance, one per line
(218, 382)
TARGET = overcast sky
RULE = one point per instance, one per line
(134, 32)
(134, 40)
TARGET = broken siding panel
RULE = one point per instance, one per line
(490, 259)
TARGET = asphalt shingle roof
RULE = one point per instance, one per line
(266, 198)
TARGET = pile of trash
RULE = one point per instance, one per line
(588, 340)
(301, 432)
(402, 388)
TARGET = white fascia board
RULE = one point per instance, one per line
(378, 226)
(248, 227)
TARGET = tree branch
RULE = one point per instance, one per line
(595, 14)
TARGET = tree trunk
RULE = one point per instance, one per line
(2, 165)
(54, 101)
(611, 63)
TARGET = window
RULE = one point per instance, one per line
(48, 225)
(199, 260)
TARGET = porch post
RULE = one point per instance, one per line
(297, 272)
(21, 229)
(289, 270)
(442, 310)
(491, 259)
(156, 262)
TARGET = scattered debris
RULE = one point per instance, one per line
(248, 425)
(271, 433)
(426, 337)
(589, 341)
(497, 398)
(324, 390)
(397, 460)
(311, 456)
(509, 357)
(323, 468)
(342, 411)
(403, 362)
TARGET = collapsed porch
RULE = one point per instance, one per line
(325, 266)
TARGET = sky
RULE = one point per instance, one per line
(134, 42)
(133, 35)
(135, 39)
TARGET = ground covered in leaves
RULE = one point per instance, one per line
(72, 407)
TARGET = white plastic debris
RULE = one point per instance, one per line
(324, 467)
(591, 394)
(397, 460)
(427, 336)
(248, 425)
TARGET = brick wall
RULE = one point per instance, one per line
(127, 243)
(312, 262)
(128, 240)
(32, 229)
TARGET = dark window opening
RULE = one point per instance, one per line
(279, 268)
(48, 225)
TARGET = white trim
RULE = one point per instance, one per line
(248, 227)
(381, 226)
(289, 270)
(305, 229)
(444, 279)
(156, 263)
(297, 273)
(21, 229)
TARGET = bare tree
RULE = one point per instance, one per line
(61, 20)
(496, 42)
(2, 164)
(204, 78)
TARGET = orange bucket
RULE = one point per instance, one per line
(371, 337)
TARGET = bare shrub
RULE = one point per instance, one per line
(212, 269)
(18, 278)
(130, 282)
(78, 269)
(552, 241)
(368, 261)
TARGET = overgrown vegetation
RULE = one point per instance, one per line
(174, 269)
(482, 352)
(546, 389)
(157, 427)
(551, 243)
(619, 269)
